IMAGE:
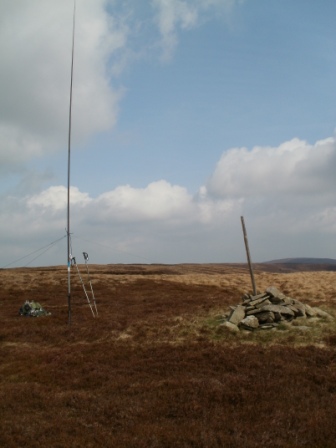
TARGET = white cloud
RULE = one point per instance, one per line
(55, 199)
(292, 169)
(285, 193)
(128, 219)
(158, 201)
(35, 47)
(172, 16)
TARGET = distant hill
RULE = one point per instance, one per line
(303, 261)
(298, 264)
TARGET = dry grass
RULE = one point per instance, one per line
(156, 369)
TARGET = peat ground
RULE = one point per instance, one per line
(155, 369)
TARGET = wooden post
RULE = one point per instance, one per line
(248, 256)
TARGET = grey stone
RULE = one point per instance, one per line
(295, 310)
(230, 327)
(278, 317)
(246, 299)
(281, 309)
(261, 304)
(250, 322)
(298, 308)
(270, 326)
(252, 312)
(287, 300)
(249, 308)
(310, 312)
(265, 317)
(321, 313)
(259, 296)
(237, 315)
(259, 301)
(276, 295)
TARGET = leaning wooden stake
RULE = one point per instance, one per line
(248, 256)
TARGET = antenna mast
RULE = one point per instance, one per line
(69, 153)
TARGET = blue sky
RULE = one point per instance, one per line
(186, 116)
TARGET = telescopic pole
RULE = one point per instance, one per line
(69, 154)
(86, 259)
(81, 280)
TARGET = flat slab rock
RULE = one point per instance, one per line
(281, 309)
(237, 315)
(277, 295)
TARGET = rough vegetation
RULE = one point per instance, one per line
(157, 368)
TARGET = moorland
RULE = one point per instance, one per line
(155, 368)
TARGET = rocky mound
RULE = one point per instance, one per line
(268, 310)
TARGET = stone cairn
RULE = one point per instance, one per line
(268, 310)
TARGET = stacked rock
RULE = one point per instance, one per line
(267, 310)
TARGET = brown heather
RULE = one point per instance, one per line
(155, 369)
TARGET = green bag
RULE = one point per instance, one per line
(32, 309)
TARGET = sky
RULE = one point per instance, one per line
(186, 115)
